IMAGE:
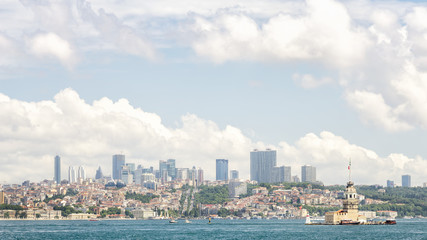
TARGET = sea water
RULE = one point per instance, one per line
(201, 229)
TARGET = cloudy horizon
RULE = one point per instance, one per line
(320, 81)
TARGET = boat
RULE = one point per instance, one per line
(390, 222)
(349, 222)
(173, 221)
(93, 220)
(187, 221)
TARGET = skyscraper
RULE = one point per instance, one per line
(170, 165)
(118, 162)
(308, 173)
(81, 174)
(99, 174)
(262, 164)
(390, 183)
(71, 175)
(234, 174)
(406, 180)
(222, 169)
(200, 177)
(57, 169)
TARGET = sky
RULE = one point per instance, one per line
(320, 81)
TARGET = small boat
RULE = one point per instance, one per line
(390, 222)
(187, 221)
(173, 221)
(349, 222)
(93, 220)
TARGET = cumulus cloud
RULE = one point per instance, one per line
(288, 36)
(31, 133)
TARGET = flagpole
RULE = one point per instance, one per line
(349, 170)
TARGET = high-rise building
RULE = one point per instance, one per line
(118, 162)
(390, 183)
(406, 180)
(281, 174)
(295, 179)
(182, 173)
(308, 173)
(170, 165)
(234, 174)
(99, 174)
(236, 188)
(262, 164)
(81, 174)
(222, 169)
(126, 175)
(200, 177)
(57, 169)
(71, 175)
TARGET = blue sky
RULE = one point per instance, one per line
(320, 81)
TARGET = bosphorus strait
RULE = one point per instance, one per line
(200, 229)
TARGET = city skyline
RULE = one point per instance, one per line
(320, 81)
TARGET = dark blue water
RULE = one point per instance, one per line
(200, 229)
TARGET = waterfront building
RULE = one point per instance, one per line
(308, 174)
(2, 197)
(406, 180)
(262, 164)
(350, 211)
(71, 175)
(234, 174)
(99, 174)
(57, 169)
(221, 169)
(390, 183)
(118, 162)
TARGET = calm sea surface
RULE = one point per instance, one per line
(199, 229)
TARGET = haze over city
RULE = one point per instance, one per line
(207, 80)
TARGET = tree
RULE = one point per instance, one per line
(38, 215)
(6, 215)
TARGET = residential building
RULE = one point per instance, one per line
(234, 174)
(222, 169)
(406, 180)
(308, 174)
(2, 198)
(390, 183)
(281, 174)
(99, 174)
(118, 162)
(57, 169)
(170, 165)
(72, 175)
(262, 164)
(81, 174)
(236, 188)
(200, 177)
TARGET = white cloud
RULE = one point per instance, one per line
(51, 45)
(309, 81)
(31, 133)
(306, 35)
